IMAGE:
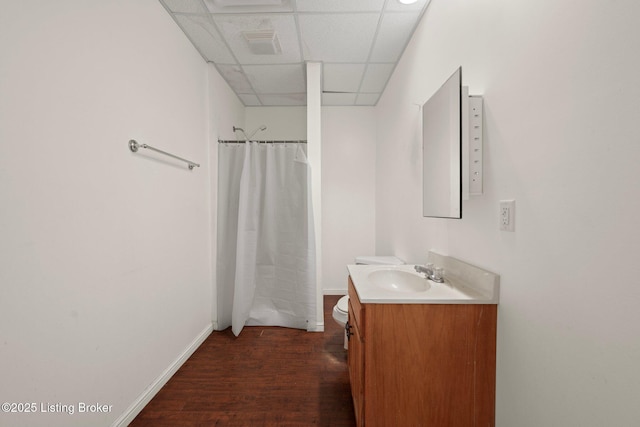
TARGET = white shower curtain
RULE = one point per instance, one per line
(266, 247)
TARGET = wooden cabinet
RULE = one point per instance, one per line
(356, 357)
(422, 364)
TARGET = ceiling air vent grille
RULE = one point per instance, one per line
(263, 42)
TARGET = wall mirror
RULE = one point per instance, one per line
(442, 150)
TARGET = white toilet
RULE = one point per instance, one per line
(341, 309)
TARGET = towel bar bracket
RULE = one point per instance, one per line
(133, 145)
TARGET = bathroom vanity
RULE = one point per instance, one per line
(422, 357)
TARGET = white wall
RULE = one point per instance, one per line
(348, 191)
(561, 105)
(314, 155)
(283, 123)
(104, 257)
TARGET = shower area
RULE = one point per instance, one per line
(266, 262)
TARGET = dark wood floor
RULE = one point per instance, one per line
(267, 376)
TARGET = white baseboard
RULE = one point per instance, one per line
(142, 400)
(317, 327)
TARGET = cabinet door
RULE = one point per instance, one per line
(356, 368)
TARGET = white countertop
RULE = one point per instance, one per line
(454, 290)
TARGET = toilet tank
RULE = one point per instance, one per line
(378, 260)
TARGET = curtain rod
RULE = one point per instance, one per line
(220, 141)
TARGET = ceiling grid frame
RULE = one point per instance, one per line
(374, 77)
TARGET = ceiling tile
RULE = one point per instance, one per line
(232, 26)
(342, 77)
(284, 99)
(338, 98)
(358, 41)
(267, 79)
(367, 98)
(249, 99)
(234, 75)
(343, 37)
(394, 34)
(246, 6)
(205, 38)
(185, 6)
(376, 77)
(340, 5)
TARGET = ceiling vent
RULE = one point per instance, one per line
(263, 42)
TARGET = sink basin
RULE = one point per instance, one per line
(398, 281)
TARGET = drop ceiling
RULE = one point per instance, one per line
(358, 43)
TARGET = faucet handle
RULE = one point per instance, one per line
(438, 275)
(426, 269)
(431, 272)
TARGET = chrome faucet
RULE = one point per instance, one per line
(432, 273)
